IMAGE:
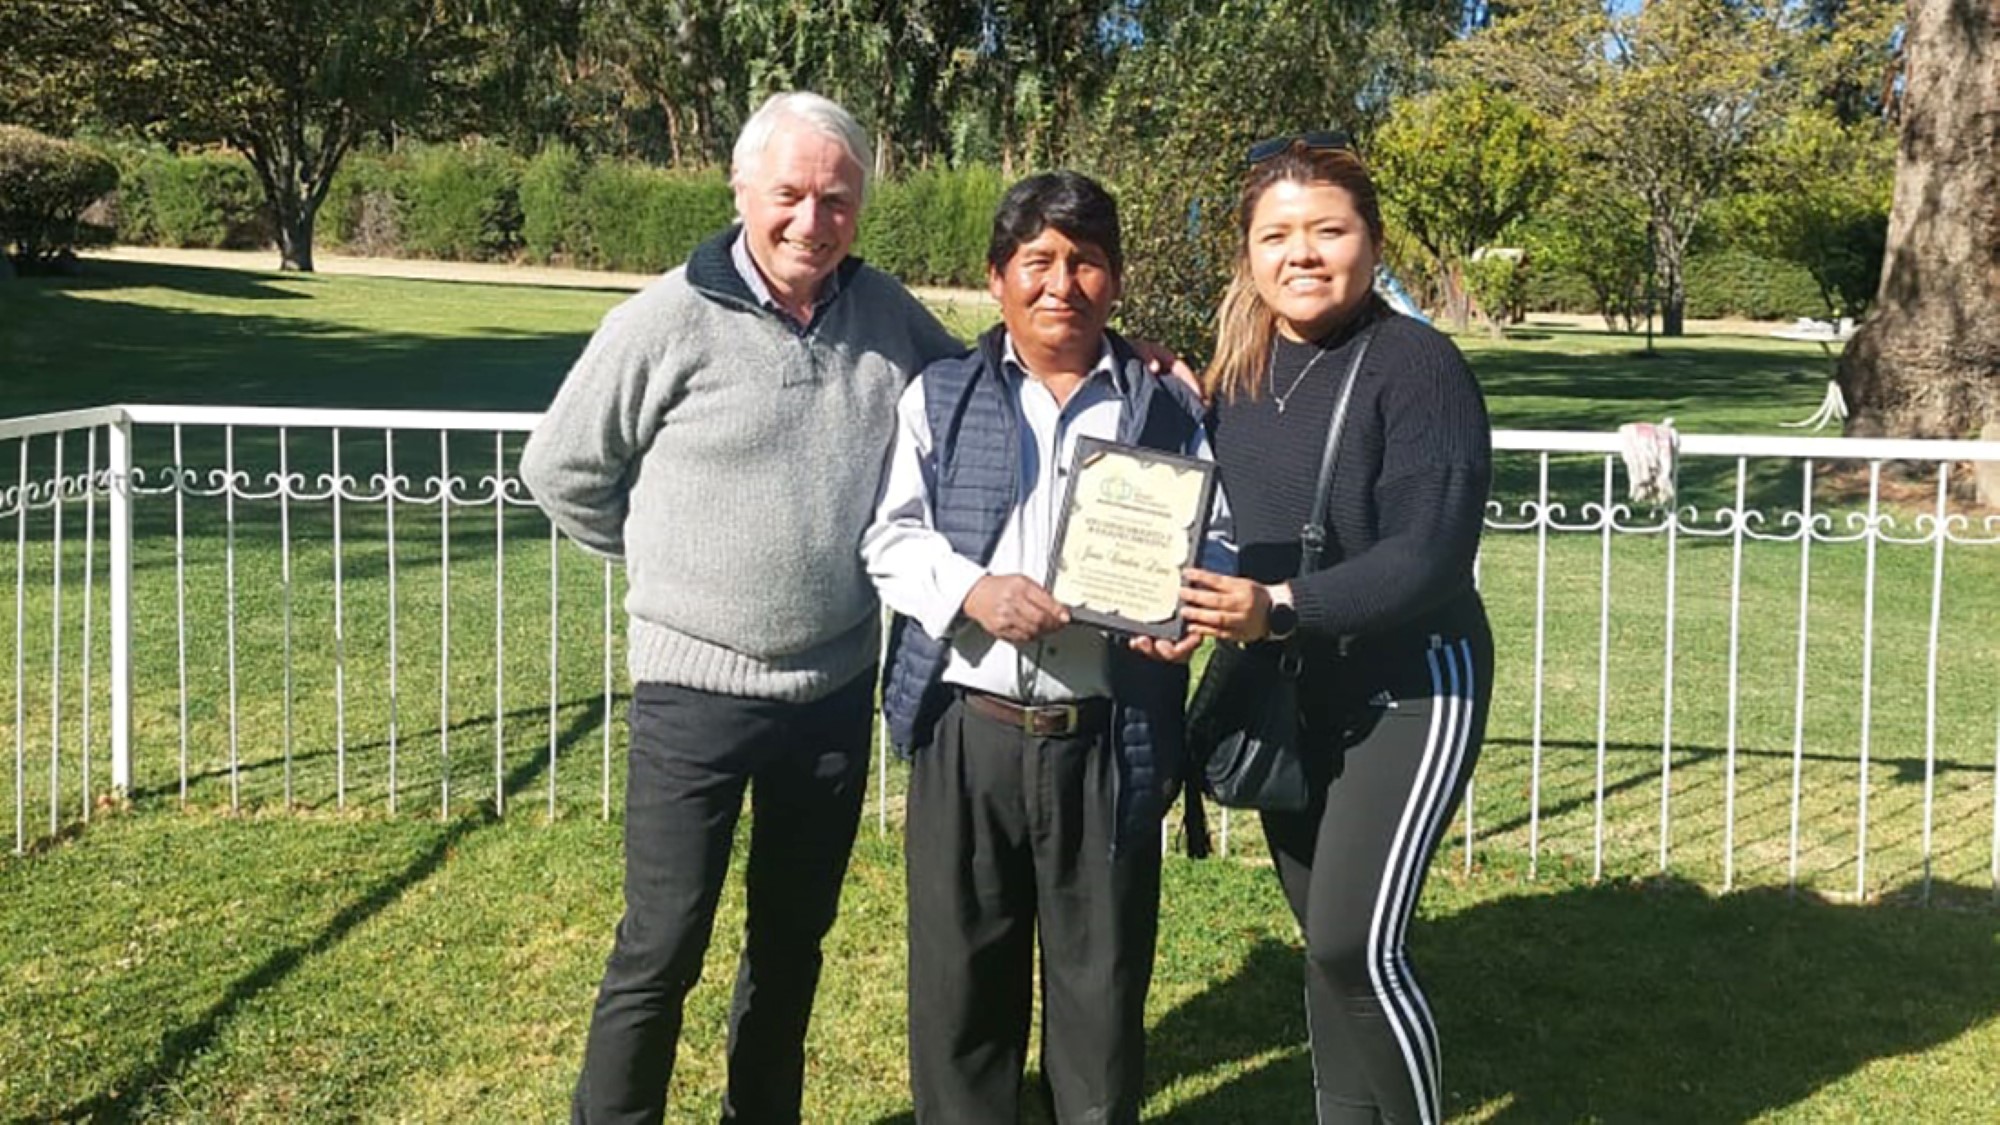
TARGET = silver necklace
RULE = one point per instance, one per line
(1271, 375)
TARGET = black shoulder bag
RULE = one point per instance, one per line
(1243, 724)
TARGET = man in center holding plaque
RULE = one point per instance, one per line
(1044, 750)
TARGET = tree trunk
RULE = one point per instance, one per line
(1926, 362)
(295, 241)
(1671, 286)
(1457, 298)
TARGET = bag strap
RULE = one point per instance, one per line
(1312, 537)
(1312, 541)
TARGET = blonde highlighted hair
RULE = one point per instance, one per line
(1244, 324)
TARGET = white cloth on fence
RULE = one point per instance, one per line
(1652, 461)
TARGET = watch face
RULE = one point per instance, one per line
(1284, 620)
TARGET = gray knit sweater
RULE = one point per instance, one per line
(732, 462)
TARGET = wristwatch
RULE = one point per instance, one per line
(1282, 621)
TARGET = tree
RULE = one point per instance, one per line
(1926, 361)
(1201, 84)
(896, 64)
(1596, 231)
(678, 58)
(1457, 167)
(1050, 60)
(1668, 100)
(34, 36)
(293, 85)
(1819, 197)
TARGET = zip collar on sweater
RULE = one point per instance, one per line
(712, 273)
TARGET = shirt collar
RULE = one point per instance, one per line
(746, 267)
(1106, 365)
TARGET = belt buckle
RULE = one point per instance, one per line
(1032, 712)
(1069, 716)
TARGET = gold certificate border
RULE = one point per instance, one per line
(1143, 539)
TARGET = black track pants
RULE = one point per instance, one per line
(1411, 719)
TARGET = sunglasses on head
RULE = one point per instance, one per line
(1319, 140)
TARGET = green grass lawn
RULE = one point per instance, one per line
(174, 961)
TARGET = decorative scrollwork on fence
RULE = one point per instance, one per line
(1898, 524)
(46, 493)
(483, 491)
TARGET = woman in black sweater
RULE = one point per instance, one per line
(1398, 658)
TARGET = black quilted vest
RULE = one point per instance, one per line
(976, 447)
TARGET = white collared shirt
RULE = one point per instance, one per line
(917, 573)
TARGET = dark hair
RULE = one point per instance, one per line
(1071, 202)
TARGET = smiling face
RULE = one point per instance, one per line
(1311, 256)
(800, 200)
(1055, 297)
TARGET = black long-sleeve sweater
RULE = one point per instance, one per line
(1409, 486)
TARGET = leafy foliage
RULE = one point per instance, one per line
(45, 186)
(1819, 197)
(1457, 167)
(1668, 100)
(552, 230)
(462, 203)
(1203, 84)
(932, 227)
(1499, 284)
(195, 199)
(1595, 232)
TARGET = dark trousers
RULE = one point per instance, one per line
(1353, 867)
(693, 755)
(1006, 830)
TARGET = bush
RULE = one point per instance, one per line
(45, 185)
(480, 201)
(461, 203)
(204, 199)
(643, 219)
(932, 227)
(552, 226)
(1499, 284)
(362, 212)
(1727, 282)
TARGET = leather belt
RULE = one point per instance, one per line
(1043, 720)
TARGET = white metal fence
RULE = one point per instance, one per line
(1791, 677)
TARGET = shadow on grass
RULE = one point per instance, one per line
(76, 342)
(1624, 778)
(590, 719)
(1578, 380)
(129, 1096)
(1642, 1001)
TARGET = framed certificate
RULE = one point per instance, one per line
(1131, 519)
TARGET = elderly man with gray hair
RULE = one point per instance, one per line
(723, 433)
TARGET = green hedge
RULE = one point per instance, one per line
(1720, 283)
(551, 228)
(932, 227)
(362, 213)
(45, 186)
(644, 219)
(484, 202)
(202, 199)
(1737, 283)
(462, 204)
